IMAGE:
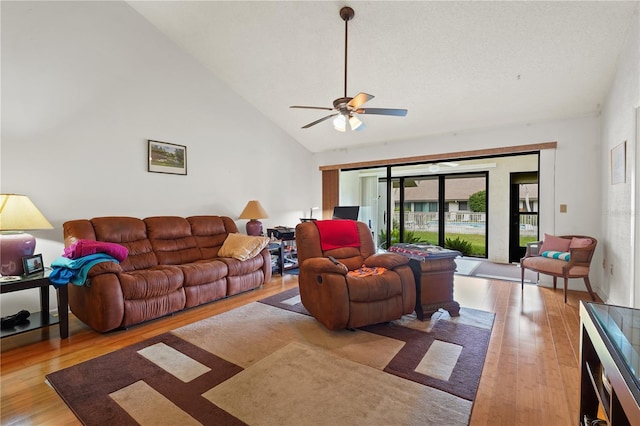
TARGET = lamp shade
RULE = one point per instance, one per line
(18, 213)
(253, 210)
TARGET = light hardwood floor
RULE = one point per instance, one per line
(530, 376)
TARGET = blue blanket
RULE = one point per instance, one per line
(74, 271)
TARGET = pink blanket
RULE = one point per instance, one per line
(337, 233)
(83, 248)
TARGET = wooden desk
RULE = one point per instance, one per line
(43, 318)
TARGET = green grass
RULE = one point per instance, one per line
(477, 240)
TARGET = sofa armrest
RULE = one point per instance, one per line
(386, 260)
(104, 268)
(580, 256)
(319, 265)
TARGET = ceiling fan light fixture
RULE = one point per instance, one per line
(340, 123)
(355, 122)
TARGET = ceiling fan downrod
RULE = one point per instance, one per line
(347, 14)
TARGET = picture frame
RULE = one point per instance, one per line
(32, 264)
(165, 157)
(619, 163)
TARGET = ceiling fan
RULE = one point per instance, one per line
(346, 108)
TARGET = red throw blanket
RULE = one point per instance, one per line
(337, 233)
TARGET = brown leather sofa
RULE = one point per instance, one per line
(339, 300)
(173, 264)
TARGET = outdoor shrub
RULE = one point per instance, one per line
(463, 246)
(409, 237)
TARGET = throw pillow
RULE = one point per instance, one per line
(552, 243)
(242, 247)
(557, 255)
(580, 242)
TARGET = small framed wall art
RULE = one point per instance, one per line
(167, 157)
(32, 264)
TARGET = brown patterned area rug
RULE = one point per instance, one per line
(272, 364)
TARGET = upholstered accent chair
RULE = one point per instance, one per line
(566, 256)
(344, 283)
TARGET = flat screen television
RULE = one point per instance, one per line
(346, 212)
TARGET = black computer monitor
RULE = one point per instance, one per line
(346, 212)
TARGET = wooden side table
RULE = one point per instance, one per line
(43, 318)
(434, 286)
(433, 268)
(276, 248)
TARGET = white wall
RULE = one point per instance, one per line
(85, 84)
(619, 211)
(570, 174)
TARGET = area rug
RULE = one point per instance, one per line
(271, 363)
(492, 270)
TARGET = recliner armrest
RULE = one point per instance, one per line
(386, 260)
(318, 265)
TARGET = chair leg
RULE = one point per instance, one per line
(588, 284)
(555, 282)
(522, 277)
(566, 284)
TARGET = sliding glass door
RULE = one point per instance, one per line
(465, 213)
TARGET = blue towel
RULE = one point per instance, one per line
(75, 271)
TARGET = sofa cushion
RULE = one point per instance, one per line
(152, 282)
(242, 267)
(210, 233)
(374, 287)
(242, 247)
(130, 233)
(203, 272)
(172, 241)
(557, 255)
(553, 243)
(553, 266)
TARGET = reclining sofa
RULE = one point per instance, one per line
(172, 265)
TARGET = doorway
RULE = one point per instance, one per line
(523, 212)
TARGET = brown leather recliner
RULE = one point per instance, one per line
(339, 300)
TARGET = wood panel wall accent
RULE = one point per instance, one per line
(330, 191)
(489, 152)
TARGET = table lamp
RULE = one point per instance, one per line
(18, 214)
(254, 211)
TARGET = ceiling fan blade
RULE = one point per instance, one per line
(311, 107)
(319, 121)
(360, 99)
(383, 111)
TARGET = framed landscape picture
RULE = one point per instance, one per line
(167, 158)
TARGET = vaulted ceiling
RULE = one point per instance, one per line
(455, 66)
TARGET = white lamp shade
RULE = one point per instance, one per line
(18, 213)
(354, 122)
(340, 123)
